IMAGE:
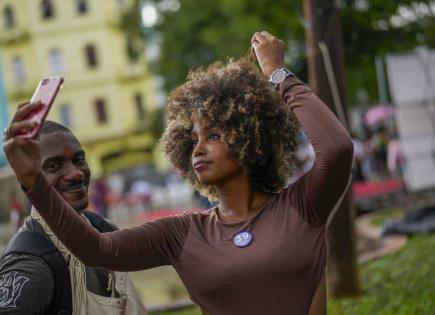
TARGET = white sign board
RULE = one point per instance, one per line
(411, 80)
(411, 77)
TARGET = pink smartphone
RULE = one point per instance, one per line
(45, 93)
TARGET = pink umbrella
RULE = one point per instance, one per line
(378, 114)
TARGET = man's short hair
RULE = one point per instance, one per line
(49, 127)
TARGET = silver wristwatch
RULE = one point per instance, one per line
(279, 75)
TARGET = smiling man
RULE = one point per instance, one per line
(38, 275)
(64, 164)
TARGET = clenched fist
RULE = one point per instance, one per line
(269, 51)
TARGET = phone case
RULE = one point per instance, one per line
(45, 93)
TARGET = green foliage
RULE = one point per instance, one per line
(368, 33)
(399, 284)
(201, 32)
(156, 122)
(130, 24)
(384, 215)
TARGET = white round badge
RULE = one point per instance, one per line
(243, 239)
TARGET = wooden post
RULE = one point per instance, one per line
(323, 26)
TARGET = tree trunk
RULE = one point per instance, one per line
(323, 25)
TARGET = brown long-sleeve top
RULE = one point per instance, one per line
(276, 274)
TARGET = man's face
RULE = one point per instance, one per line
(64, 165)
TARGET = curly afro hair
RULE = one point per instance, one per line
(260, 130)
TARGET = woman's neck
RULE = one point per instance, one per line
(239, 201)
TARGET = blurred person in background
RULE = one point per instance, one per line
(359, 157)
(233, 135)
(367, 163)
(100, 193)
(395, 158)
(380, 145)
(38, 275)
(142, 190)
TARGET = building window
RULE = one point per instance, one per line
(133, 52)
(18, 69)
(47, 9)
(65, 114)
(140, 109)
(91, 56)
(8, 15)
(100, 109)
(81, 6)
(55, 59)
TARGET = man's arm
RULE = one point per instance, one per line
(26, 285)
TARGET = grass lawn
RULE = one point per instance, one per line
(383, 215)
(402, 283)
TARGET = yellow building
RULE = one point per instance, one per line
(107, 95)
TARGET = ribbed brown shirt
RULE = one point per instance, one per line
(281, 268)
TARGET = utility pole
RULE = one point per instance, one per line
(323, 30)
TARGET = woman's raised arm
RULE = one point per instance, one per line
(317, 192)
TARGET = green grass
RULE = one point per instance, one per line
(380, 217)
(401, 284)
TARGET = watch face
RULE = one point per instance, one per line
(278, 76)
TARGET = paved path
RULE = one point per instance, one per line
(383, 245)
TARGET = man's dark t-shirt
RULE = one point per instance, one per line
(27, 282)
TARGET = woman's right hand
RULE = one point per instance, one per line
(269, 52)
(23, 154)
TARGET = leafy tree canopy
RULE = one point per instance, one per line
(200, 32)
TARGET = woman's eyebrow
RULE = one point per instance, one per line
(212, 128)
(206, 129)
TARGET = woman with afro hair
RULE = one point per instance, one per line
(232, 132)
